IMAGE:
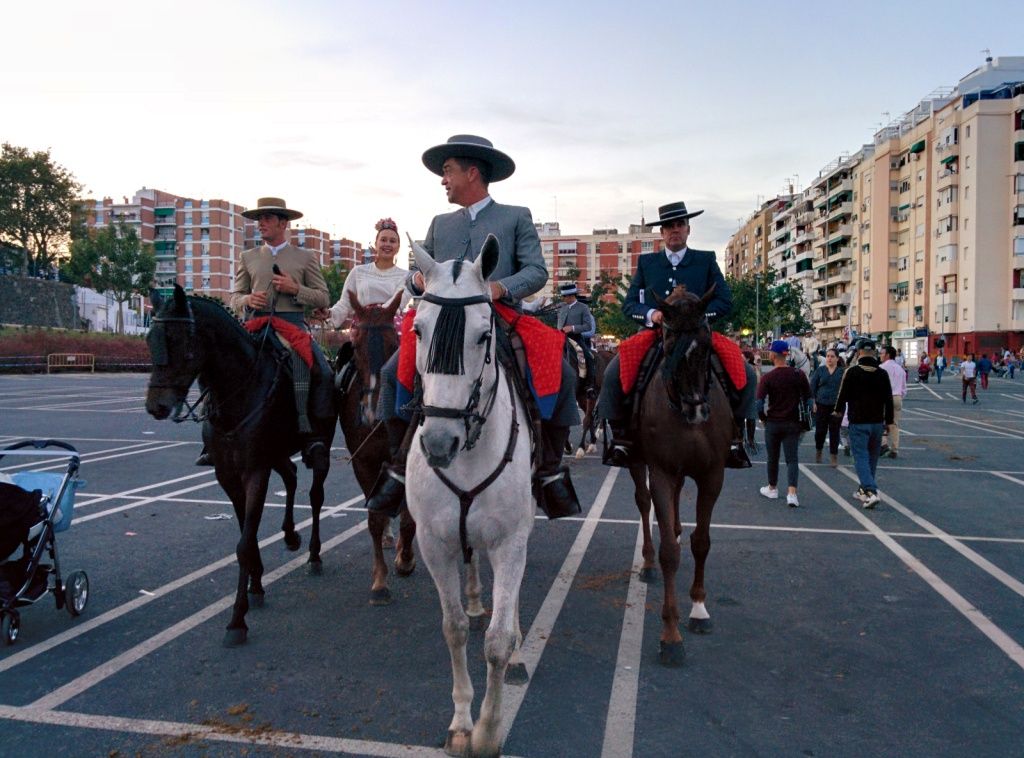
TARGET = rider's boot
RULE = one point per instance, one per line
(204, 459)
(621, 448)
(388, 493)
(737, 457)
(552, 485)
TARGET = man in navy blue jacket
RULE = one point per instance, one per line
(657, 274)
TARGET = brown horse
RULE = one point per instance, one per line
(588, 401)
(685, 431)
(373, 340)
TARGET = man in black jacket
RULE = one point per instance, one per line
(867, 392)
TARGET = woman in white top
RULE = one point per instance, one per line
(374, 283)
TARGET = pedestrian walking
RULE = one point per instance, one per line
(940, 366)
(898, 382)
(825, 383)
(984, 369)
(867, 395)
(969, 379)
(785, 389)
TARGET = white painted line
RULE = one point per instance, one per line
(983, 563)
(239, 735)
(537, 637)
(620, 724)
(140, 503)
(83, 457)
(90, 679)
(985, 625)
(115, 613)
(969, 423)
(83, 403)
(926, 387)
(92, 500)
(1007, 477)
(951, 396)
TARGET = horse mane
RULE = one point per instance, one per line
(221, 313)
(445, 356)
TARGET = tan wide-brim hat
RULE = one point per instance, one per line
(271, 205)
(470, 146)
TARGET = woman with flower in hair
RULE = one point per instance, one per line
(374, 283)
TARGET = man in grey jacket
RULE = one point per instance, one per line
(576, 320)
(467, 164)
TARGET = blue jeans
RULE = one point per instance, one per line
(866, 441)
(938, 374)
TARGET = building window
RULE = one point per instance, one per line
(919, 231)
(918, 286)
(1018, 245)
(968, 132)
(967, 191)
(967, 161)
(919, 256)
(965, 284)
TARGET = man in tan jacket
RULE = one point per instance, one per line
(279, 279)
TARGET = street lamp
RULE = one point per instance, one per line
(757, 310)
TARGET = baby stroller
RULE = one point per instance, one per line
(34, 506)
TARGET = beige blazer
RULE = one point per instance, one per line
(255, 272)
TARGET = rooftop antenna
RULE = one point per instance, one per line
(643, 221)
(556, 208)
(988, 55)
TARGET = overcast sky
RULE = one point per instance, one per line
(603, 105)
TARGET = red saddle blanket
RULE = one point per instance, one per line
(633, 349)
(543, 344)
(298, 338)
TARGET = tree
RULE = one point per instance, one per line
(335, 276)
(113, 260)
(38, 201)
(782, 305)
(608, 310)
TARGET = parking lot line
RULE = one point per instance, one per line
(536, 638)
(985, 625)
(114, 613)
(135, 653)
(620, 725)
(971, 423)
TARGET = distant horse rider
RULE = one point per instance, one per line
(278, 280)
(656, 275)
(467, 164)
(576, 320)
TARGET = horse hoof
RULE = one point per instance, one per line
(457, 742)
(380, 597)
(579, 454)
(293, 541)
(648, 575)
(315, 568)
(671, 654)
(516, 674)
(235, 637)
(405, 570)
(699, 626)
(257, 599)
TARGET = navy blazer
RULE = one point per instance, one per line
(655, 274)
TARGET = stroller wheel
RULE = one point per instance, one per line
(76, 592)
(9, 627)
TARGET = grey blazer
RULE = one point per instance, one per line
(578, 316)
(520, 267)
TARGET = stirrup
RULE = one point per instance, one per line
(556, 495)
(388, 492)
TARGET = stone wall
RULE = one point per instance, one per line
(37, 302)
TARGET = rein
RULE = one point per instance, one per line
(676, 402)
(474, 420)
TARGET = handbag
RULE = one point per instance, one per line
(803, 413)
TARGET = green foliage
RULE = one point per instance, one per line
(782, 306)
(38, 205)
(112, 259)
(608, 313)
(335, 276)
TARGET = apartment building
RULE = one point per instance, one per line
(582, 258)
(198, 242)
(746, 251)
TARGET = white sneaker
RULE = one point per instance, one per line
(792, 501)
(871, 500)
(770, 492)
(861, 494)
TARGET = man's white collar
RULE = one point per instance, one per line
(476, 207)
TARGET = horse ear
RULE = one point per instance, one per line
(180, 301)
(391, 307)
(424, 262)
(354, 299)
(487, 261)
(155, 299)
(707, 297)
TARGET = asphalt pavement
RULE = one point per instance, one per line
(837, 631)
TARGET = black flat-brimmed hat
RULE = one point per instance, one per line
(470, 146)
(673, 212)
(273, 205)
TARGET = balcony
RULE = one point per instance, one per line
(163, 221)
(843, 298)
(839, 253)
(846, 185)
(840, 275)
(836, 323)
(840, 232)
(1017, 293)
(843, 209)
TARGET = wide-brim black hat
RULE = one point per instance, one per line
(673, 212)
(273, 205)
(470, 146)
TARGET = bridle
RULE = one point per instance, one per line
(685, 341)
(474, 420)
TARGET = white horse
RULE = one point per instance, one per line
(469, 481)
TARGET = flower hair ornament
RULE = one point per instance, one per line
(386, 223)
